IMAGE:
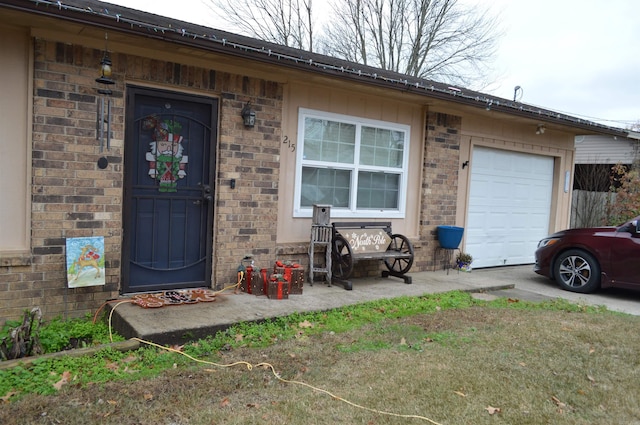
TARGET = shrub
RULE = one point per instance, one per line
(625, 183)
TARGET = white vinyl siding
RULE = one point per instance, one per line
(606, 150)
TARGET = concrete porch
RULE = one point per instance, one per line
(177, 324)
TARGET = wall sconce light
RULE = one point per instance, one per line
(541, 128)
(105, 71)
(465, 164)
(248, 115)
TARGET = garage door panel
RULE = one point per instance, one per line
(509, 206)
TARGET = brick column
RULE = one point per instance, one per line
(246, 216)
(440, 182)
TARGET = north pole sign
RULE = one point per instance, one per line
(365, 241)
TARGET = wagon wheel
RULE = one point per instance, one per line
(401, 245)
(341, 258)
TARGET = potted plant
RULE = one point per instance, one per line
(463, 261)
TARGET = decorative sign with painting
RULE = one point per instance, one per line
(368, 240)
(85, 261)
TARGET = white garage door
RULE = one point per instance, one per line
(509, 206)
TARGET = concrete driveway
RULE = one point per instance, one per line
(531, 286)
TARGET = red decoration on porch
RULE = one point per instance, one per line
(278, 287)
(253, 282)
(293, 273)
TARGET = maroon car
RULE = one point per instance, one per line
(584, 260)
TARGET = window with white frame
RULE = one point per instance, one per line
(356, 165)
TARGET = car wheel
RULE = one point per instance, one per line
(577, 271)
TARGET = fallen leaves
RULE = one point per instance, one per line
(305, 324)
(5, 398)
(492, 410)
(65, 379)
(561, 405)
(112, 366)
(557, 401)
(225, 402)
(130, 359)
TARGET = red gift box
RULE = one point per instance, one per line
(293, 273)
(278, 288)
(253, 282)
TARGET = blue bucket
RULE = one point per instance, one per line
(450, 236)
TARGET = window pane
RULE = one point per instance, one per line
(380, 147)
(329, 141)
(378, 190)
(325, 186)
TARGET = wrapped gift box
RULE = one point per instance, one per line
(278, 288)
(253, 281)
(293, 274)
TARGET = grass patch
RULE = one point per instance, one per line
(446, 357)
(59, 335)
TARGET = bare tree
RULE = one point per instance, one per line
(286, 22)
(437, 39)
(441, 40)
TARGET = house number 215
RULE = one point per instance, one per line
(289, 143)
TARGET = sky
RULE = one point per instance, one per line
(577, 57)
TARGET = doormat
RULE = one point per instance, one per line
(186, 296)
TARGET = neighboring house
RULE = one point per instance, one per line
(179, 206)
(597, 152)
(607, 149)
(594, 158)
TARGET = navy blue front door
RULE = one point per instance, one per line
(169, 165)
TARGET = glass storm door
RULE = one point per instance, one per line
(169, 192)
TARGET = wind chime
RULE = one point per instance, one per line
(103, 120)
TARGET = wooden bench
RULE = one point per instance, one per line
(353, 241)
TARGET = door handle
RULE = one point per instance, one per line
(206, 193)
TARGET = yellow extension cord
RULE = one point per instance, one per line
(250, 367)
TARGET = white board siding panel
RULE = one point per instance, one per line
(605, 150)
(509, 206)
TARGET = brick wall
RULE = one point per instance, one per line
(246, 217)
(73, 197)
(439, 185)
